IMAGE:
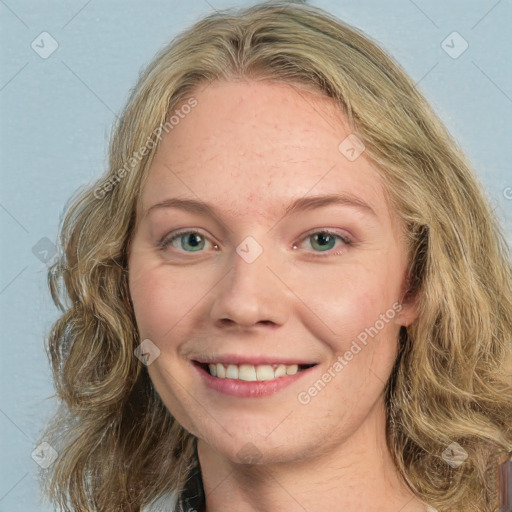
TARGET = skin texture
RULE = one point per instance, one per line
(249, 149)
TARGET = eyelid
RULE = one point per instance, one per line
(331, 231)
(170, 237)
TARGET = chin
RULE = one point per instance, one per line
(257, 450)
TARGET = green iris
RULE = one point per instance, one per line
(195, 240)
(322, 241)
(323, 237)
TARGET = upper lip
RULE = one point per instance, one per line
(254, 360)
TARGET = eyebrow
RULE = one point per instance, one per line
(300, 204)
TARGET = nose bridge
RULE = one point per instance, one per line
(251, 293)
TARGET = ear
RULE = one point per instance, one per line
(408, 311)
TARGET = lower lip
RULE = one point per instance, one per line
(248, 389)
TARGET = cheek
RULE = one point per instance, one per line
(343, 303)
(158, 305)
(163, 296)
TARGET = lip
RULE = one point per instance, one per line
(254, 360)
(248, 389)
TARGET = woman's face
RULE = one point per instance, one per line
(259, 285)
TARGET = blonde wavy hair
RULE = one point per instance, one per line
(119, 448)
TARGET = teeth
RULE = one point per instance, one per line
(221, 371)
(249, 372)
(232, 371)
(265, 372)
(280, 370)
(292, 369)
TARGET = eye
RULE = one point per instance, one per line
(325, 240)
(194, 240)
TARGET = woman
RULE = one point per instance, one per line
(288, 293)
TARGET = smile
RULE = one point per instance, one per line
(250, 380)
(250, 373)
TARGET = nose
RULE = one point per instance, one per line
(253, 292)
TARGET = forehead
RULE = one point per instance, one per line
(255, 146)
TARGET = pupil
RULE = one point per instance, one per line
(196, 240)
(324, 237)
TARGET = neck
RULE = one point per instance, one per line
(357, 475)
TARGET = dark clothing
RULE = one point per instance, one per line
(192, 499)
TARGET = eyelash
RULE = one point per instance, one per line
(168, 240)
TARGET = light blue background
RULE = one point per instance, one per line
(56, 115)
